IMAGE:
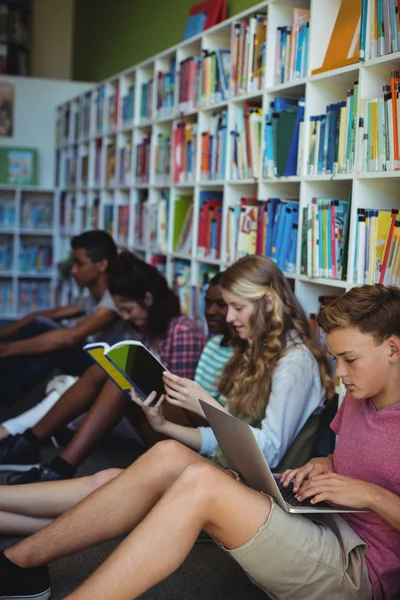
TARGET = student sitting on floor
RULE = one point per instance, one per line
(142, 295)
(171, 493)
(276, 380)
(34, 346)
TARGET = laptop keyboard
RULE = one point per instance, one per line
(290, 498)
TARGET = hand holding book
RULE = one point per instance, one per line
(153, 410)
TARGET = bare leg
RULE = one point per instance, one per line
(114, 509)
(11, 524)
(202, 497)
(3, 433)
(106, 412)
(50, 499)
(75, 401)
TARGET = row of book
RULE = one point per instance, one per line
(325, 238)
(377, 248)
(246, 138)
(267, 227)
(184, 146)
(213, 148)
(379, 28)
(34, 295)
(6, 254)
(203, 80)
(379, 129)
(283, 138)
(248, 50)
(192, 296)
(146, 100)
(332, 137)
(36, 213)
(292, 42)
(6, 297)
(35, 257)
(166, 91)
(162, 159)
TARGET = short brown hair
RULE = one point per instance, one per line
(373, 309)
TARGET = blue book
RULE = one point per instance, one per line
(291, 165)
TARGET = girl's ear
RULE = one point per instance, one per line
(269, 302)
(148, 299)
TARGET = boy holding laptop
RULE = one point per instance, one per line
(173, 493)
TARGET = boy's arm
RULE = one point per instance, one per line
(63, 312)
(60, 338)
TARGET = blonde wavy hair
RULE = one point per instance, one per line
(246, 378)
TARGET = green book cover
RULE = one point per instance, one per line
(18, 166)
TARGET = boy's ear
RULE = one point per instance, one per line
(394, 348)
(103, 265)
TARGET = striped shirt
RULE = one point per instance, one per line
(210, 366)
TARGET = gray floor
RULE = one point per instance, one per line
(208, 573)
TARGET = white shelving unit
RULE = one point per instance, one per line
(367, 190)
(27, 281)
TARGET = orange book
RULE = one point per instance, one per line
(343, 48)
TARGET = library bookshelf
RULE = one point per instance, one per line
(29, 213)
(90, 132)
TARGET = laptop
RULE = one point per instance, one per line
(245, 457)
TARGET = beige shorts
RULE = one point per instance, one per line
(293, 557)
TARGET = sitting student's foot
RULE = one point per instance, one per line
(35, 475)
(17, 453)
(18, 583)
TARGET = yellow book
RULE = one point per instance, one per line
(383, 224)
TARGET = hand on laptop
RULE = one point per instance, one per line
(186, 393)
(154, 413)
(338, 490)
(315, 466)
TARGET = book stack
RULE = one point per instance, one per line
(113, 106)
(332, 137)
(246, 139)
(146, 104)
(248, 44)
(161, 221)
(212, 84)
(264, 227)
(377, 248)
(291, 59)
(166, 91)
(379, 131)
(7, 213)
(7, 297)
(35, 257)
(143, 160)
(210, 225)
(99, 112)
(188, 83)
(34, 295)
(111, 165)
(380, 28)
(140, 212)
(162, 159)
(125, 162)
(108, 214)
(36, 213)
(182, 286)
(85, 115)
(184, 144)
(213, 148)
(283, 136)
(6, 254)
(123, 225)
(128, 105)
(325, 237)
(98, 162)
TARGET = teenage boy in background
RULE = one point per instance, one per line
(33, 346)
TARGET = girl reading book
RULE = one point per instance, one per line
(277, 379)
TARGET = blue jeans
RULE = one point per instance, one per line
(20, 374)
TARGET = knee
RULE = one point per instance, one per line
(168, 450)
(202, 480)
(103, 477)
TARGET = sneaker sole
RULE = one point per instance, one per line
(18, 469)
(42, 596)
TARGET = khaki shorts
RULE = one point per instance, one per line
(293, 557)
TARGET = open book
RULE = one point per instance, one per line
(129, 364)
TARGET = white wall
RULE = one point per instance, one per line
(52, 38)
(35, 102)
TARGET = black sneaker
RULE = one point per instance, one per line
(17, 583)
(18, 454)
(35, 475)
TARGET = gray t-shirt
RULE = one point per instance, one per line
(115, 332)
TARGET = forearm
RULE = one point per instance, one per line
(46, 342)
(189, 436)
(386, 505)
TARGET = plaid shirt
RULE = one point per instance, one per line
(181, 348)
